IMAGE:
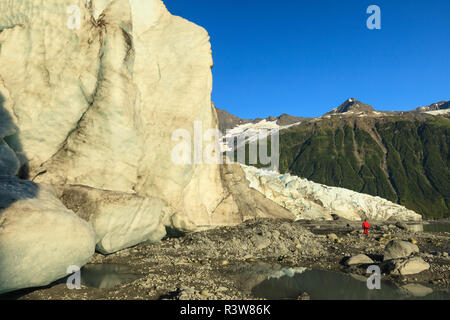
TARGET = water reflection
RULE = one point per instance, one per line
(249, 275)
(326, 285)
(106, 276)
(437, 227)
(415, 227)
(431, 227)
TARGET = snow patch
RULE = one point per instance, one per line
(438, 112)
(250, 132)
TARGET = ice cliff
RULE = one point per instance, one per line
(91, 93)
(309, 200)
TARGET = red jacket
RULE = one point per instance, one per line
(366, 225)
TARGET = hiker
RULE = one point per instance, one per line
(366, 227)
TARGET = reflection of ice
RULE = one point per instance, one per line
(437, 227)
(415, 227)
(322, 285)
(327, 285)
(431, 227)
(106, 276)
(287, 272)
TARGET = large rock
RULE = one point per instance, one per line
(120, 220)
(396, 249)
(39, 237)
(309, 200)
(409, 266)
(358, 259)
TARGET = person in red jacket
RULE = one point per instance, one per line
(366, 227)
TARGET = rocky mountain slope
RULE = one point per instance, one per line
(443, 105)
(400, 158)
(228, 121)
(352, 105)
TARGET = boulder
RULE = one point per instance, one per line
(332, 237)
(359, 259)
(409, 266)
(261, 242)
(399, 249)
(120, 220)
(39, 238)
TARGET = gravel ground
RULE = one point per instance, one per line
(226, 263)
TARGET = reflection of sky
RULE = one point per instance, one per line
(431, 227)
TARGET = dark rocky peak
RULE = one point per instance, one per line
(352, 105)
(435, 106)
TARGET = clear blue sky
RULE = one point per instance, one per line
(305, 58)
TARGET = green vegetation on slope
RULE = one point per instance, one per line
(400, 159)
(418, 161)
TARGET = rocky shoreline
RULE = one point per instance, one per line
(226, 263)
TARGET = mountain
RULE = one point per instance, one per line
(228, 121)
(443, 105)
(287, 120)
(352, 105)
(403, 157)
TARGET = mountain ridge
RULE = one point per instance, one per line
(230, 121)
(351, 105)
(399, 156)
